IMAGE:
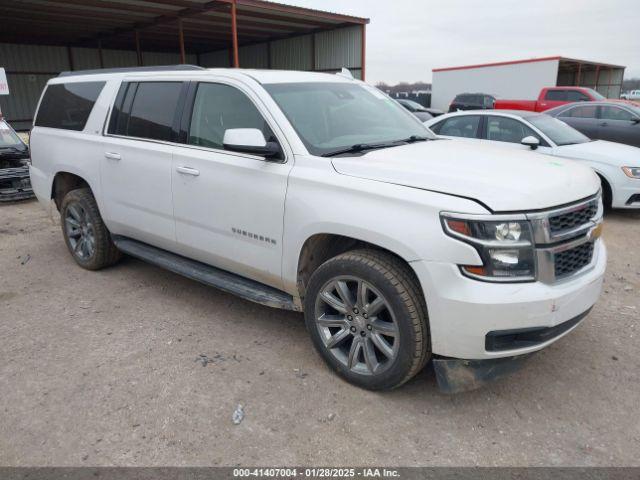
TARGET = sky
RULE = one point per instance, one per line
(407, 38)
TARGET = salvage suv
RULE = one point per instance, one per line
(318, 193)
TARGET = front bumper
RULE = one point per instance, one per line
(626, 193)
(463, 311)
(15, 184)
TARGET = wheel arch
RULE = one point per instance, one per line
(320, 247)
(63, 182)
(607, 188)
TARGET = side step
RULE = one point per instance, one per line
(215, 277)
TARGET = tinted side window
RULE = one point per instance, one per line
(67, 106)
(615, 113)
(220, 107)
(586, 111)
(556, 95)
(575, 96)
(503, 129)
(153, 111)
(464, 126)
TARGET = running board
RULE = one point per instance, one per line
(212, 276)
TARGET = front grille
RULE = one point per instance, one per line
(572, 260)
(570, 220)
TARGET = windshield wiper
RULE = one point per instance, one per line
(360, 147)
(414, 138)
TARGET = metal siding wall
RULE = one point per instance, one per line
(165, 58)
(254, 56)
(120, 58)
(339, 48)
(217, 59)
(23, 99)
(291, 53)
(517, 81)
(33, 58)
(85, 58)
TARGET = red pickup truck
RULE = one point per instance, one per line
(551, 97)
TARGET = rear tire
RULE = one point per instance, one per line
(85, 234)
(367, 319)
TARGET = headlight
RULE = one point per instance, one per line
(505, 247)
(633, 172)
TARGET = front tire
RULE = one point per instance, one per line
(367, 319)
(85, 234)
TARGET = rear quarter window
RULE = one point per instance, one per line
(68, 106)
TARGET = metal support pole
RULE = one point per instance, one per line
(363, 53)
(100, 56)
(578, 76)
(70, 57)
(183, 56)
(314, 63)
(234, 34)
(138, 51)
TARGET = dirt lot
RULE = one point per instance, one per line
(100, 369)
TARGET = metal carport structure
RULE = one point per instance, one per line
(41, 38)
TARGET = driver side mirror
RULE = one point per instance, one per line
(531, 142)
(635, 120)
(249, 140)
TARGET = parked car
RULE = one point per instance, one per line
(551, 97)
(617, 165)
(418, 110)
(313, 192)
(614, 121)
(631, 95)
(472, 101)
(14, 171)
(414, 107)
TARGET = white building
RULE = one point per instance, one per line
(523, 79)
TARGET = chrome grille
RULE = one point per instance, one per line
(574, 218)
(572, 260)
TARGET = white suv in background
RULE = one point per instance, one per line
(318, 193)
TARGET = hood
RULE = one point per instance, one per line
(504, 180)
(611, 153)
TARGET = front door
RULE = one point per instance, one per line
(617, 124)
(229, 206)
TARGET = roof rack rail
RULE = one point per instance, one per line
(162, 68)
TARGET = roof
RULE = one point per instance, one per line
(261, 76)
(206, 24)
(529, 60)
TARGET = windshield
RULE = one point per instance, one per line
(8, 137)
(333, 116)
(559, 132)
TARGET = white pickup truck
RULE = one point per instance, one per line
(318, 193)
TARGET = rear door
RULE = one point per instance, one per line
(137, 160)
(229, 206)
(583, 118)
(617, 124)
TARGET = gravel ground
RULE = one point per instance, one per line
(134, 365)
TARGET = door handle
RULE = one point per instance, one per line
(604, 124)
(112, 155)
(188, 171)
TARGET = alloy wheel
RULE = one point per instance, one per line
(357, 325)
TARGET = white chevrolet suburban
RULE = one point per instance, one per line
(317, 193)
